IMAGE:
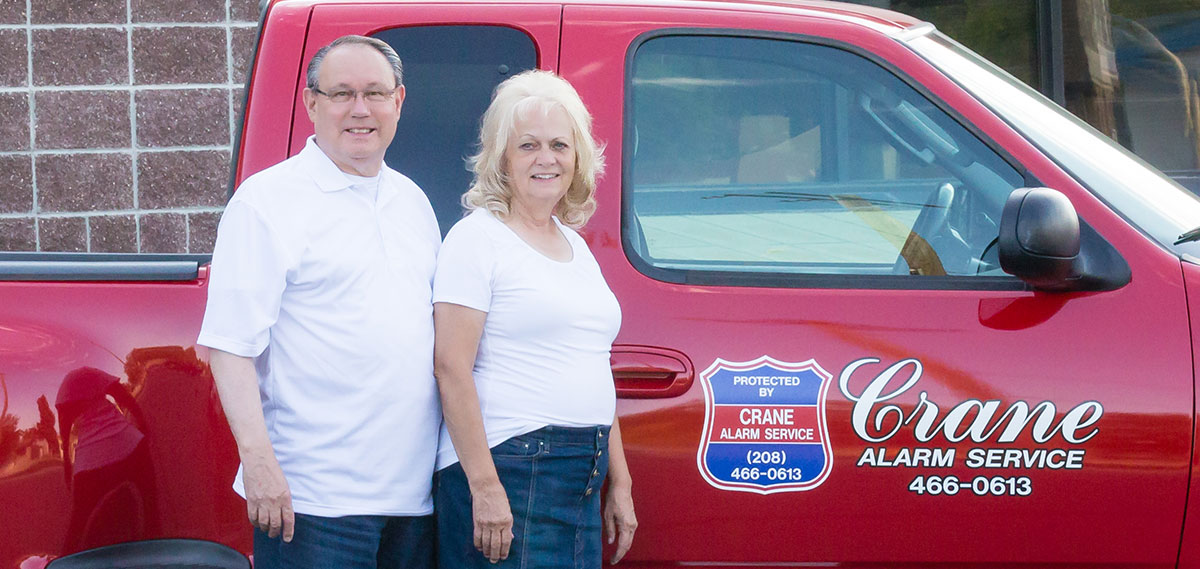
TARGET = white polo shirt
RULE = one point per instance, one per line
(330, 291)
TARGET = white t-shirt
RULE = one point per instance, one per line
(368, 186)
(544, 355)
(330, 291)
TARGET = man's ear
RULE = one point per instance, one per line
(399, 99)
(310, 104)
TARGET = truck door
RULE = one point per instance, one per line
(821, 360)
(454, 56)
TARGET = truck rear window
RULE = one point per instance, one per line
(449, 75)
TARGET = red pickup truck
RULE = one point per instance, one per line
(883, 304)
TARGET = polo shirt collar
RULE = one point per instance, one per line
(330, 178)
(326, 174)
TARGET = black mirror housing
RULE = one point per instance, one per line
(1043, 243)
(1039, 236)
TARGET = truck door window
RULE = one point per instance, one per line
(750, 156)
(449, 75)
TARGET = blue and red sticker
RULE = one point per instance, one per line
(764, 426)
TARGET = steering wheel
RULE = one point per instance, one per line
(930, 222)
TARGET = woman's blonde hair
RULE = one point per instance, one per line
(540, 91)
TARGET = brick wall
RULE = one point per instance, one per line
(116, 121)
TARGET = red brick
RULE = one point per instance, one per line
(243, 42)
(12, 11)
(244, 10)
(90, 56)
(62, 234)
(202, 231)
(182, 179)
(164, 233)
(237, 100)
(16, 184)
(84, 182)
(113, 233)
(14, 59)
(186, 117)
(178, 11)
(14, 121)
(82, 119)
(78, 12)
(179, 55)
(17, 234)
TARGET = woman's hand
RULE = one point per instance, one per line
(619, 520)
(457, 333)
(493, 522)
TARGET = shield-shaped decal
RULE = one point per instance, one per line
(764, 426)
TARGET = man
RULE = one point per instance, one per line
(321, 329)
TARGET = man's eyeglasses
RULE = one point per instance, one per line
(342, 96)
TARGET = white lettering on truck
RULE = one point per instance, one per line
(876, 419)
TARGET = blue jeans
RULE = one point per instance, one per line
(353, 542)
(553, 478)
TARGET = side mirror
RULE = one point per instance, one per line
(1043, 243)
(1039, 236)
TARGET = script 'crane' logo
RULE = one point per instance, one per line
(764, 426)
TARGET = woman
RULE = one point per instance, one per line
(524, 324)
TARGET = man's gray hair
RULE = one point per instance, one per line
(314, 65)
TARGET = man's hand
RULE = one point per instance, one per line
(619, 521)
(268, 500)
(493, 522)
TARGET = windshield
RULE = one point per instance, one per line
(1150, 200)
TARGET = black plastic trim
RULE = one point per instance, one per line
(1101, 267)
(158, 553)
(34, 266)
(793, 280)
(827, 281)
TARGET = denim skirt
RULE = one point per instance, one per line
(553, 477)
